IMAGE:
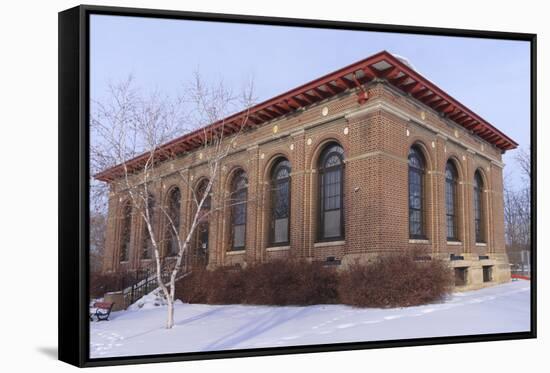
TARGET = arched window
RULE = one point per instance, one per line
(173, 221)
(331, 193)
(125, 232)
(239, 191)
(451, 177)
(280, 203)
(200, 248)
(201, 189)
(478, 207)
(416, 193)
(147, 242)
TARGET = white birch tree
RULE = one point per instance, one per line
(129, 126)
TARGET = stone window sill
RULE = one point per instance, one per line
(329, 243)
(235, 252)
(416, 240)
(278, 248)
(481, 244)
(454, 243)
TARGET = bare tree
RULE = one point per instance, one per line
(517, 209)
(130, 130)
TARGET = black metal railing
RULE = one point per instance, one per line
(142, 281)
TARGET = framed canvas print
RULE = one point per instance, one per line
(236, 186)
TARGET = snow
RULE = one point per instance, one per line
(140, 331)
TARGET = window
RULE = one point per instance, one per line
(487, 273)
(280, 202)
(125, 233)
(239, 189)
(461, 276)
(200, 249)
(331, 193)
(478, 207)
(450, 201)
(416, 193)
(173, 221)
(147, 243)
(201, 189)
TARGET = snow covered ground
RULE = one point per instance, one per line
(503, 308)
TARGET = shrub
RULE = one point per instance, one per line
(279, 282)
(395, 280)
(290, 282)
(389, 281)
(101, 283)
(226, 285)
(194, 287)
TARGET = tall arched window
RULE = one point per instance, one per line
(201, 189)
(416, 193)
(200, 248)
(478, 207)
(173, 221)
(147, 243)
(451, 177)
(280, 203)
(125, 232)
(239, 191)
(331, 193)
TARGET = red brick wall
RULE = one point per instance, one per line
(376, 138)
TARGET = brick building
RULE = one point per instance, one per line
(369, 159)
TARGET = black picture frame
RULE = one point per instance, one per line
(74, 182)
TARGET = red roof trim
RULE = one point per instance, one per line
(398, 74)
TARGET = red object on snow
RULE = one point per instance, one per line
(522, 277)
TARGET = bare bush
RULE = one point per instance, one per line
(396, 280)
(390, 281)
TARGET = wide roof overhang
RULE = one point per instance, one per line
(382, 65)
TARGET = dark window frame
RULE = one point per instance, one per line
(146, 249)
(175, 215)
(275, 183)
(451, 192)
(328, 152)
(487, 273)
(200, 253)
(479, 210)
(125, 232)
(239, 193)
(419, 171)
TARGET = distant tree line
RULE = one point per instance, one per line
(517, 211)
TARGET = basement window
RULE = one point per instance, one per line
(487, 273)
(461, 276)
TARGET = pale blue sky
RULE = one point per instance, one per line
(491, 77)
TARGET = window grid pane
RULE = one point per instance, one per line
(450, 201)
(238, 210)
(331, 193)
(280, 202)
(147, 243)
(416, 193)
(126, 232)
(478, 208)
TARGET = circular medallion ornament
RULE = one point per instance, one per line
(324, 111)
(275, 129)
(309, 141)
(346, 131)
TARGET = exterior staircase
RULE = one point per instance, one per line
(139, 282)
